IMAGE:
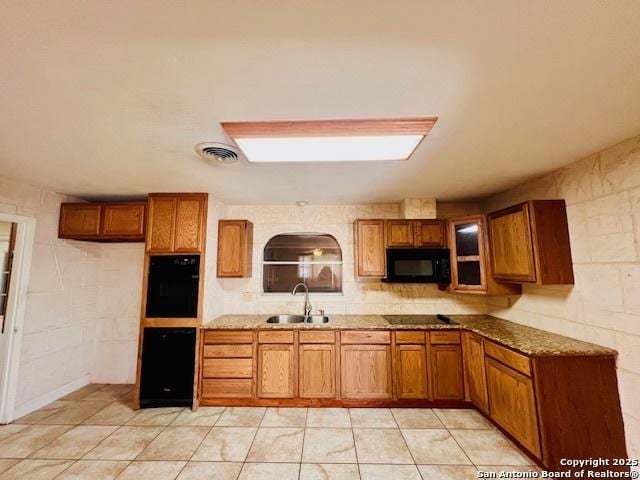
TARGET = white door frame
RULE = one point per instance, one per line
(11, 340)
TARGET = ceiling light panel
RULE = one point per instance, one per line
(329, 140)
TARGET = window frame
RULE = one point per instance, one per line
(302, 264)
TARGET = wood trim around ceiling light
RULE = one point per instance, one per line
(331, 128)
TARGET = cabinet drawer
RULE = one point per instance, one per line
(317, 337)
(227, 368)
(223, 336)
(445, 338)
(223, 388)
(416, 337)
(228, 351)
(517, 361)
(275, 337)
(365, 337)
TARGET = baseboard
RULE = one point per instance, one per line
(35, 404)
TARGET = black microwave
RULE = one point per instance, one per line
(418, 265)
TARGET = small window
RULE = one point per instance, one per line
(312, 258)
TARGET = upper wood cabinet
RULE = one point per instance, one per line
(176, 222)
(415, 233)
(529, 243)
(474, 371)
(470, 265)
(123, 220)
(235, 246)
(103, 222)
(370, 248)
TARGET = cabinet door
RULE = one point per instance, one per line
(446, 372)
(366, 371)
(411, 371)
(317, 371)
(78, 220)
(123, 220)
(511, 244)
(512, 404)
(475, 371)
(429, 233)
(399, 233)
(370, 248)
(189, 229)
(161, 223)
(233, 249)
(276, 371)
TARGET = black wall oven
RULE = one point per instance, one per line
(172, 290)
(418, 265)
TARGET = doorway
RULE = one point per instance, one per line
(17, 235)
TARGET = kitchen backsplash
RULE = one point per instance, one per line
(358, 297)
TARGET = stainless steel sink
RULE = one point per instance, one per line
(298, 319)
(286, 319)
(317, 319)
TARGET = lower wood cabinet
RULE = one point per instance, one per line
(474, 368)
(317, 371)
(366, 371)
(446, 372)
(411, 371)
(513, 406)
(276, 371)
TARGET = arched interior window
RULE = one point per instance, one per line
(312, 258)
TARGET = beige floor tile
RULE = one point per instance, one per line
(6, 464)
(203, 417)
(416, 418)
(487, 447)
(270, 471)
(46, 411)
(75, 413)
(329, 471)
(328, 417)
(241, 417)
(377, 445)
(434, 447)
(277, 445)
(93, 470)
(75, 443)
(448, 472)
(461, 418)
(284, 417)
(508, 468)
(126, 443)
(174, 443)
(226, 444)
(83, 392)
(155, 416)
(385, 472)
(210, 471)
(372, 418)
(7, 431)
(113, 414)
(151, 471)
(32, 438)
(329, 445)
(36, 469)
(111, 392)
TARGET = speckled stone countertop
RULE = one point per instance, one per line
(530, 341)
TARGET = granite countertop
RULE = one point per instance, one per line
(528, 340)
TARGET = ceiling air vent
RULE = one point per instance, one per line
(218, 152)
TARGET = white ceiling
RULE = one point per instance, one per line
(108, 98)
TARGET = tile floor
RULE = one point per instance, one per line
(94, 434)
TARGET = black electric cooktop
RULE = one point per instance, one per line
(418, 319)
